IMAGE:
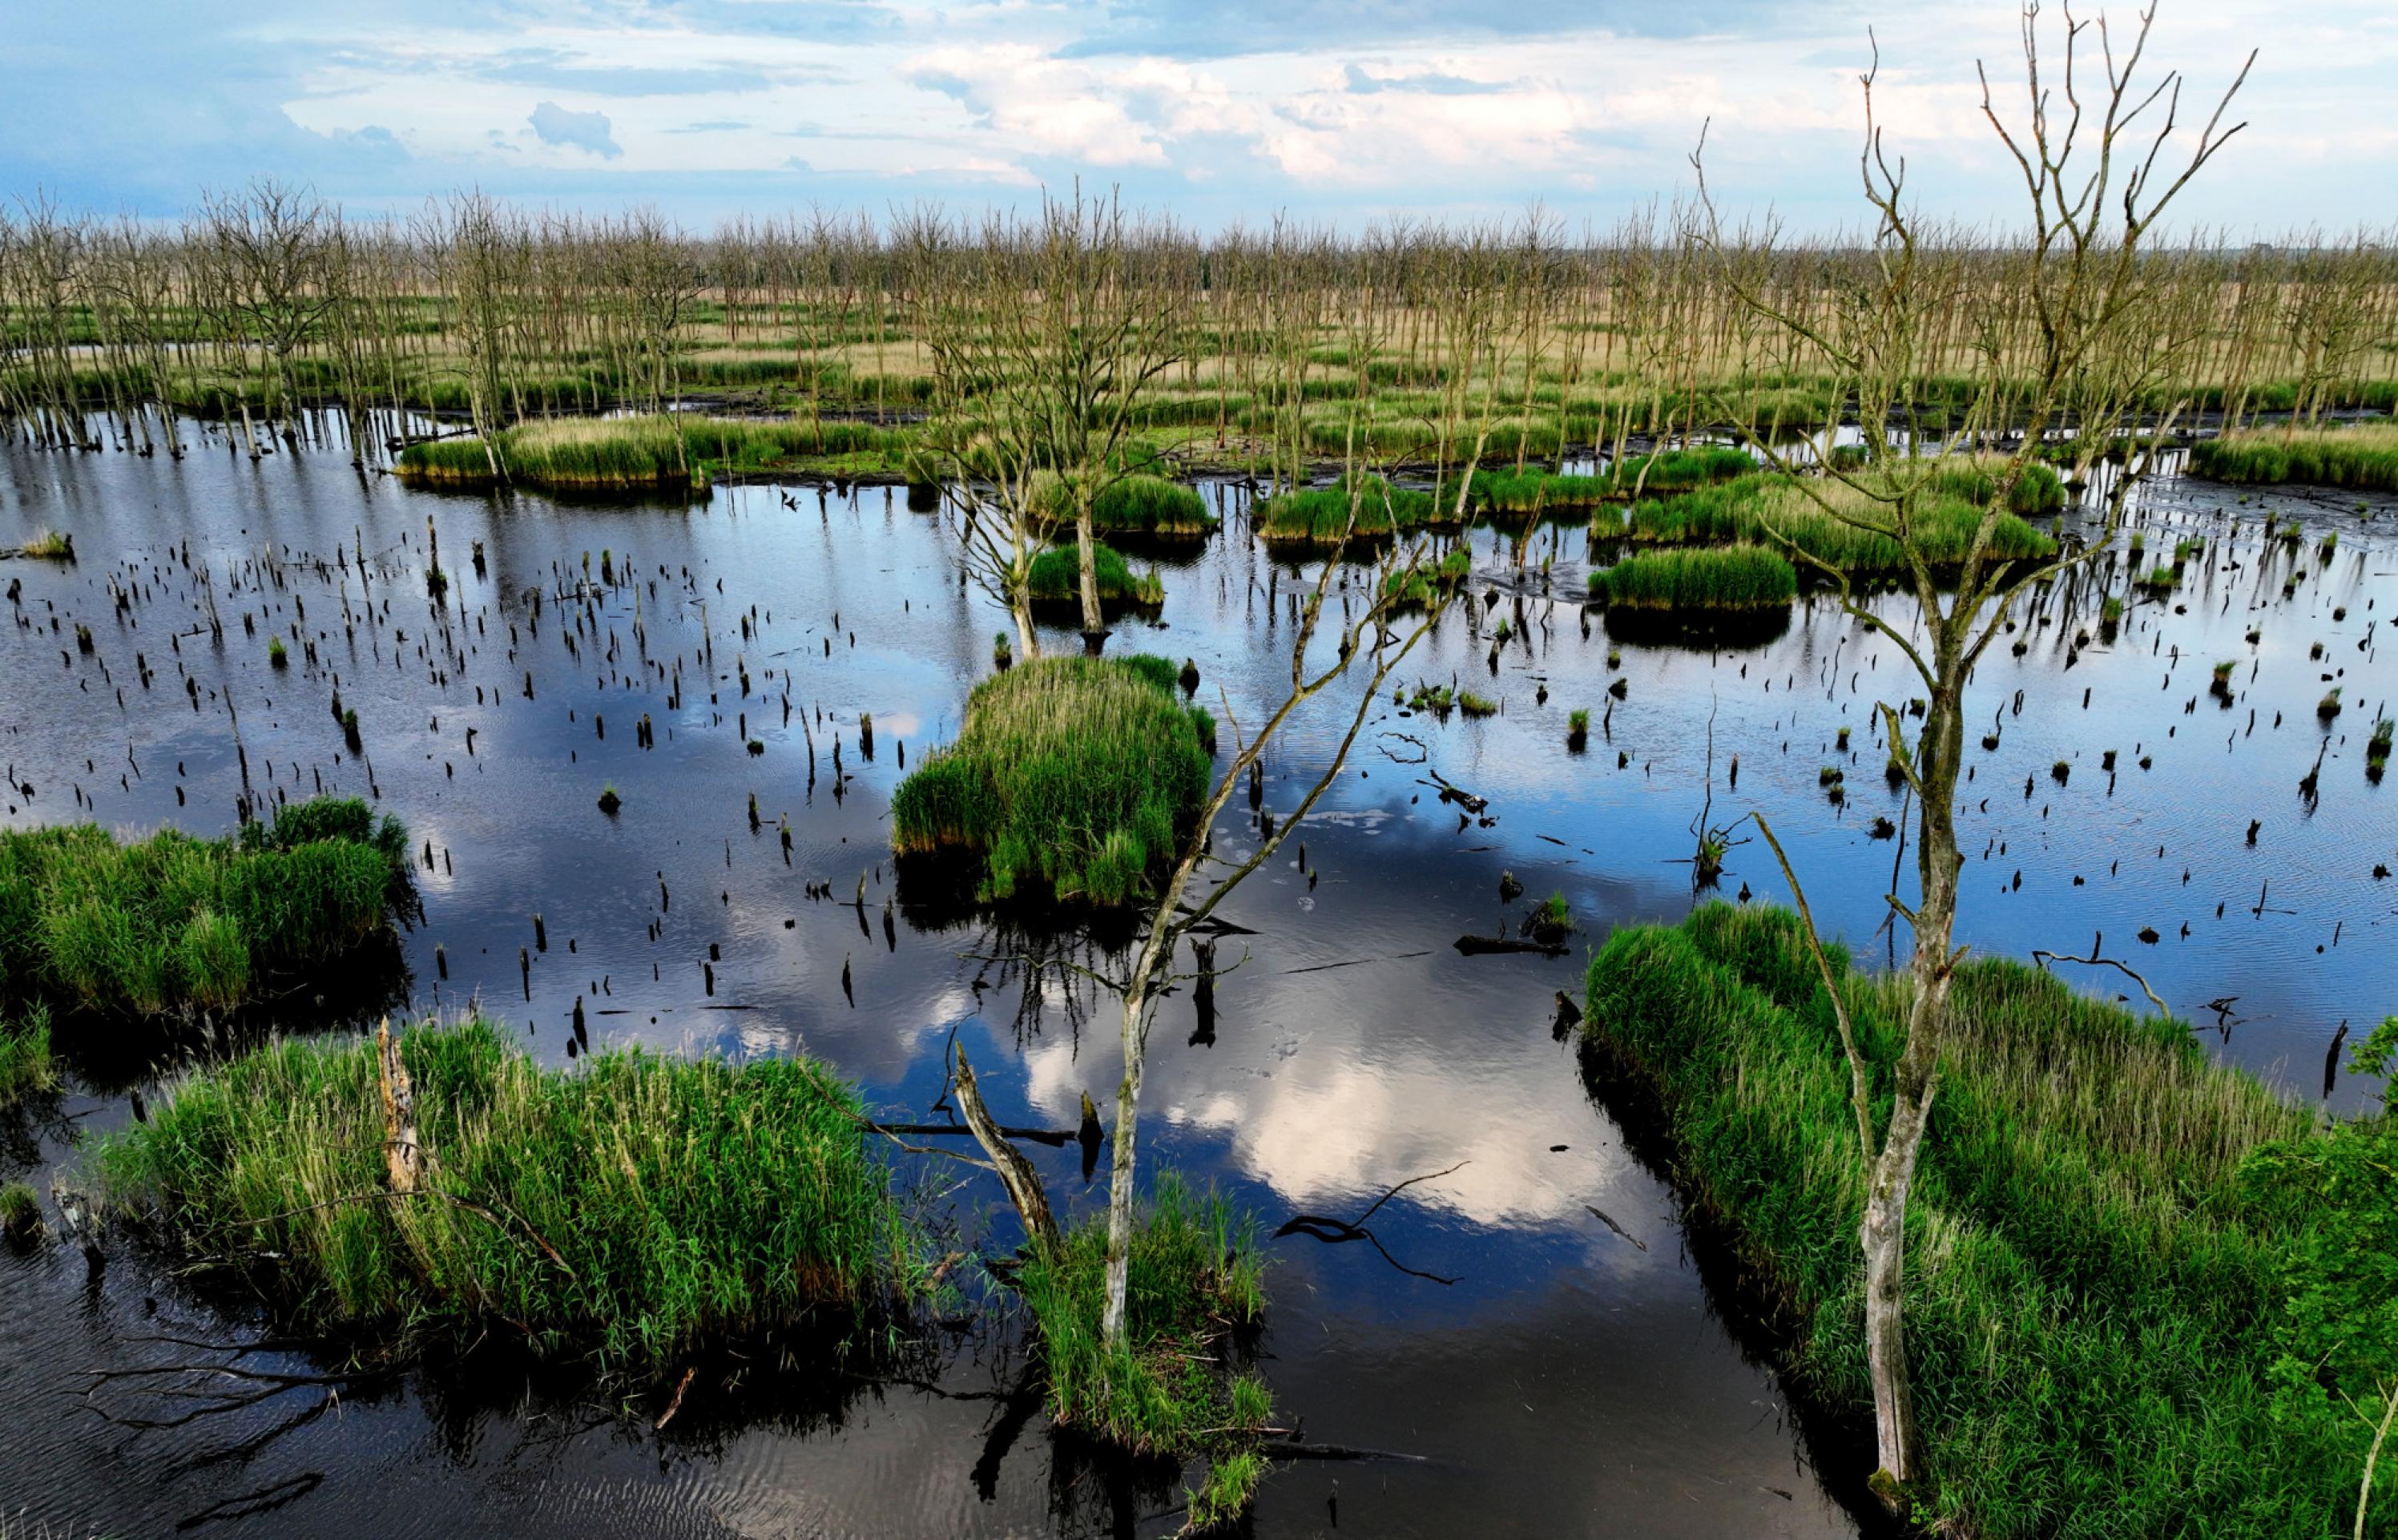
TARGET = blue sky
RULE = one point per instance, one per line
(1222, 110)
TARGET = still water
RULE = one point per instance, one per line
(1525, 1344)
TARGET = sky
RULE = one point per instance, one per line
(1221, 111)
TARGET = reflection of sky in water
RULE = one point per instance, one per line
(1564, 1375)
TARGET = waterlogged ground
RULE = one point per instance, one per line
(1526, 1333)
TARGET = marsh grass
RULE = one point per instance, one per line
(1519, 492)
(1152, 506)
(2363, 456)
(1174, 1384)
(669, 449)
(1731, 578)
(627, 1212)
(1744, 510)
(2095, 1290)
(171, 922)
(25, 1065)
(1417, 587)
(1073, 773)
(1319, 515)
(1056, 579)
(48, 546)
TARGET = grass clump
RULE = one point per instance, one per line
(1152, 506)
(1173, 1386)
(627, 1212)
(21, 1213)
(1073, 772)
(2363, 456)
(660, 450)
(25, 1065)
(1765, 510)
(171, 922)
(49, 546)
(1530, 492)
(1420, 586)
(1319, 515)
(1058, 579)
(1735, 577)
(2100, 1284)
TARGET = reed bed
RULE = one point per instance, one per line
(1171, 1386)
(1730, 577)
(626, 1212)
(1056, 579)
(2098, 1284)
(2363, 456)
(174, 923)
(1755, 509)
(1074, 773)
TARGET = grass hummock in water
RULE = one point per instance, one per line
(1152, 506)
(171, 922)
(2363, 456)
(628, 1210)
(1056, 579)
(1756, 508)
(1417, 587)
(1074, 772)
(1666, 470)
(1734, 577)
(663, 450)
(1174, 1387)
(1320, 516)
(2104, 1290)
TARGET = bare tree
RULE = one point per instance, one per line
(2092, 344)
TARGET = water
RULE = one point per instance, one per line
(1539, 1371)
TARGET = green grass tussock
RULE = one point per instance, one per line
(1057, 578)
(1755, 509)
(1419, 586)
(1152, 506)
(172, 922)
(683, 1199)
(1734, 577)
(25, 1066)
(1076, 773)
(1320, 516)
(2363, 456)
(1172, 1388)
(2100, 1276)
(671, 450)
(1665, 470)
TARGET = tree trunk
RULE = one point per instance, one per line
(1120, 1170)
(1882, 1232)
(403, 1155)
(1028, 641)
(1093, 624)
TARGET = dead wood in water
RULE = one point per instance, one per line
(1016, 1173)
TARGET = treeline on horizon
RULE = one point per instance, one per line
(268, 299)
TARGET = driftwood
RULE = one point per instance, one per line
(1474, 946)
(1016, 1173)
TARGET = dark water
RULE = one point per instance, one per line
(1544, 1374)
